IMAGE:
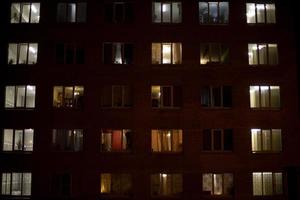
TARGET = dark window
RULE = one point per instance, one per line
(218, 97)
(70, 54)
(116, 96)
(71, 12)
(67, 139)
(217, 140)
(61, 185)
(117, 53)
(213, 53)
(119, 12)
(166, 96)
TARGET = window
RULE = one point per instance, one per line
(117, 53)
(116, 96)
(116, 184)
(217, 184)
(16, 184)
(264, 97)
(113, 140)
(262, 54)
(21, 96)
(25, 13)
(68, 96)
(266, 140)
(216, 96)
(267, 183)
(213, 12)
(213, 53)
(166, 12)
(71, 12)
(17, 140)
(22, 53)
(217, 140)
(166, 53)
(61, 184)
(166, 184)
(260, 13)
(166, 140)
(119, 12)
(70, 54)
(67, 139)
(166, 96)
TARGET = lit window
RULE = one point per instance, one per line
(24, 13)
(217, 140)
(216, 96)
(260, 13)
(70, 54)
(17, 140)
(71, 12)
(67, 139)
(119, 12)
(166, 96)
(166, 53)
(61, 184)
(166, 12)
(166, 140)
(117, 53)
(16, 184)
(217, 184)
(264, 96)
(267, 183)
(116, 184)
(213, 12)
(262, 54)
(166, 184)
(266, 140)
(22, 53)
(116, 96)
(113, 140)
(213, 53)
(21, 96)
(68, 96)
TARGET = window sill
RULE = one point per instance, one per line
(117, 108)
(166, 108)
(216, 108)
(20, 109)
(265, 152)
(217, 152)
(113, 196)
(175, 196)
(17, 152)
(265, 109)
(116, 152)
(167, 153)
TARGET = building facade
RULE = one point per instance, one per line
(148, 100)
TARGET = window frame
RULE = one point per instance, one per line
(111, 92)
(265, 13)
(167, 132)
(75, 48)
(208, 13)
(21, 4)
(13, 150)
(274, 192)
(66, 12)
(121, 178)
(172, 61)
(258, 54)
(128, 145)
(124, 47)
(210, 54)
(18, 53)
(63, 99)
(162, 3)
(56, 146)
(170, 176)
(259, 107)
(212, 192)
(15, 107)
(262, 140)
(212, 140)
(172, 97)
(211, 104)
(3, 193)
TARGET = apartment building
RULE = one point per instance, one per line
(148, 100)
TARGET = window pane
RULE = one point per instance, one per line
(264, 96)
(78, 140)
(117, 96)
(254, 97)
(68, 98)
(204, 54)
(275, 96)
(70, 50)
(215, 53)
(106, 96)
(20, 96)
(213, 12)
(166, 51)
(35, 13)
(119, 12)
(203, 12)
(15, 13)
(177, 140)
(78, 96)
(216, 97)
(227, 96)
(250, 13)
(12, 53)
(80, 55)
(23, 53)
(257, 183)
(105, 186)
(256, 140)
(260, 11)
(117, 140)
(32, 53)
(176, 50)
(176, 12)
(8, 139)
(57, 96)
(267, 183)
(207, 183)
(9, 96)
(26, 188)
(28, 140)
(228, 140)
(155, 96)
(276, 140)
(228, 184)
(167, 96)
(266, 140)
(6, 184)
(273, 54)
(223, 12)
(71, 12)
(127, 96)
(30, 96)
(128, 53)
(156, 53)
(107, 53)
(117, 53)
(252, 54)
(18, 143)
(278, 187)
(205, 97)
(270, 9)
(207, 140)
(166, 12)
(156, 12)
(61, 12)
(166, 140)
(224, 54)
(262, 52)
(16, 184)
(217, 135)
(81, 12)
(218, 184)
(25, 12)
